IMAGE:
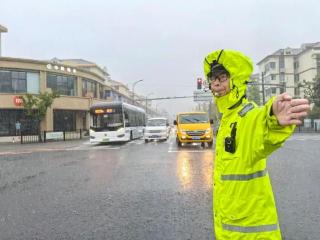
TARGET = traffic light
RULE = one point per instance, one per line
(199, 83)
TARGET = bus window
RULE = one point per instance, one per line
(126, 119)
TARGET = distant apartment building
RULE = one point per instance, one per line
(286, 69)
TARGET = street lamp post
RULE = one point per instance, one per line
(2, 30)
(263, 93)
(147, 102)
(133, 85)
(157, 107)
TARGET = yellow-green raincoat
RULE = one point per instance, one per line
(244, 206)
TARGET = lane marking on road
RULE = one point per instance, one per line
(32, 151)
(101, 148)
(188, 151)
(171, 142)
(14, 153)
(77, 148)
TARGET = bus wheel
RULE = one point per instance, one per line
(210, 144)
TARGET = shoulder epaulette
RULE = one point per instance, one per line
(246, 109)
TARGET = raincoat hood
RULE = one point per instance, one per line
(240, 68)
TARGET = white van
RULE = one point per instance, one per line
(157, 129)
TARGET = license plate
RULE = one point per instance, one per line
(154, 136)
(105, 140)
(196, 138)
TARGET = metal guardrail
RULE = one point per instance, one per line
(309, 125)
(303, 129)
(48, 136)
(30, 138)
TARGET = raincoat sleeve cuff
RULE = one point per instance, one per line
(272, 121)
(276, 132)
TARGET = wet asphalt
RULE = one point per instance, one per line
(75, 190)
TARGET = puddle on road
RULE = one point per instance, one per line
(194, 170)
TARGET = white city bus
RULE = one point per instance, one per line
(116, 122)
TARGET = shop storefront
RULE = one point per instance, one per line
(13, 122)
(78, 82)
(64, 120)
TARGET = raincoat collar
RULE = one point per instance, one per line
(227, 103)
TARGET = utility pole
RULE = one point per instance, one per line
(147, 102)
(210, 106)
(2, 30)
(284, 86)
(133, 85)
(263, 93)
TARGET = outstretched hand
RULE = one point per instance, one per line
(290, 111)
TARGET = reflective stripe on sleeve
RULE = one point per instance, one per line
(244, 177)
(253, 229)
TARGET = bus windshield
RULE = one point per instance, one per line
(110, 120)
(193, 118)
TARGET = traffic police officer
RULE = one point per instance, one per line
(244, 206)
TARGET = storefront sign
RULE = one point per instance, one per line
(17, 100)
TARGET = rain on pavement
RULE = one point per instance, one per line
(138, 190)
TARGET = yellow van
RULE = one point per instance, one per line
(194, 127)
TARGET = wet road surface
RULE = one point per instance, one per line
(140, 191)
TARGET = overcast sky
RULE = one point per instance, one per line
(163, 42)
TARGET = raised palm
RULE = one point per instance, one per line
(290, 111)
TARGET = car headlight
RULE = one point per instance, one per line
(208, 130)
(183, 132)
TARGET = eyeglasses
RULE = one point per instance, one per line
(221, 78)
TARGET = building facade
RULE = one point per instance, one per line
(80, 84)
(287, 69)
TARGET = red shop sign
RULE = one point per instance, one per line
(17, 101)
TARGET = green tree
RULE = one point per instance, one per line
(315, 112)
(312, 90)
(36, 105)
(253, 94)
